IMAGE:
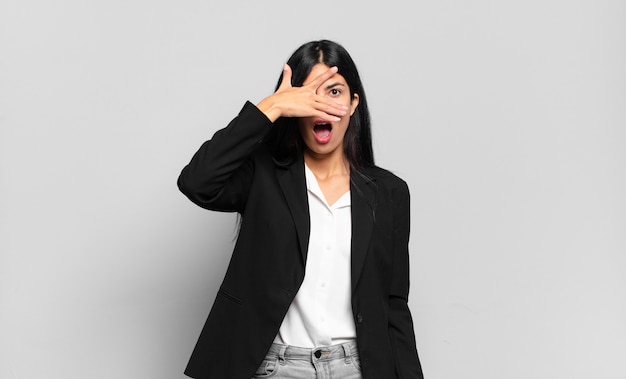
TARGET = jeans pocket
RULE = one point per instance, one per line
(267, 369)
(356, 361)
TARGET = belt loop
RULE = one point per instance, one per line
(346, 351)
(281, 353)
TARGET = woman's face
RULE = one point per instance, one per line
(323, 137)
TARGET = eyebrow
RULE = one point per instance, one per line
(335, 85)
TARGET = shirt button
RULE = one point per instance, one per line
(328, 247)
(323, 284)
(359, 318)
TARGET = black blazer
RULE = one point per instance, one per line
(235, 172)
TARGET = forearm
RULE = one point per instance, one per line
(213, 165)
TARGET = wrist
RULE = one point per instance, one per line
(270, 109)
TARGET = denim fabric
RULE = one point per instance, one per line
(328, 362)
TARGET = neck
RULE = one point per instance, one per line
(327, 166)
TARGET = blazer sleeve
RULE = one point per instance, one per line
(219, 175)
(400, 322)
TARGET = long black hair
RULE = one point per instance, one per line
(285, 140)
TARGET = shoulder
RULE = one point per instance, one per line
(389, 188)
(386, 178)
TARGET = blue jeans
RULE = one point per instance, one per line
(329, 362)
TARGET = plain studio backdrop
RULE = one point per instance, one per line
(507, 120)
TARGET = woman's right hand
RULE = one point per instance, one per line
(303, 101)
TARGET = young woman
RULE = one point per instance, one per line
(318, 282)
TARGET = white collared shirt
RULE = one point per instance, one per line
(321, 313)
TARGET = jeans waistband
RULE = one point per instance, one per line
(322, 353)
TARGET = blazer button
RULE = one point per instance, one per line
(359, 318)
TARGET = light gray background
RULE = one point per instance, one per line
(507, 119)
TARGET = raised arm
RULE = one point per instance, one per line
(219, 174)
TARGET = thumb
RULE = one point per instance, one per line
(286, 81)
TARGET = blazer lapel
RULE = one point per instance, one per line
(363, 206)
(293, 184)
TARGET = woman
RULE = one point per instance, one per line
(318, 282)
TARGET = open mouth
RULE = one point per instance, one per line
(322, 130)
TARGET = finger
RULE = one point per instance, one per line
(330, 106)
(327, 112)
(324, 76)
(286, 81)
(330, 116)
